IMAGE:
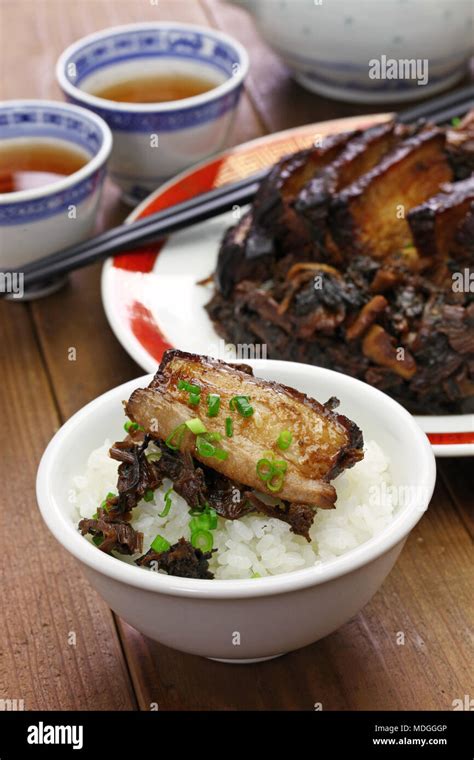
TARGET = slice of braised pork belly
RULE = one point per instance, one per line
(360, 154)
(369, 216)
(437, 224)
(232, 263)
(276, 227)
(323, 443)
(273, 227)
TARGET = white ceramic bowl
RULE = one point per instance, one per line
(275, 614)
(153, 141)
(329, 44)
(42, 220)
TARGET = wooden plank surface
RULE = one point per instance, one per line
(457, 475)
(58, 642)
(361, 666)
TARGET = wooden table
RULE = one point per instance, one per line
(428, 596)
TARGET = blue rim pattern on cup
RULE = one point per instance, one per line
(42, 208)
(174, 43)
(47, 121)
(40, 119)
(148, 41)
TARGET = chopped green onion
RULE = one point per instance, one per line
(203, 540)
(204, 521)
(166, 509)
(275, 483)
(98, 540)
(241, 403)
(212, 515)
(264, 469)
(193, 390)
(204, 448)
(213, 404)
(177, 434)
(255, 575)
(103, 505)
(195, 426)
(213, 437)
(455, 122)
(148, 495)
(229, 428)
(153, 456)
(272, 472)
(221, 454)
(160, 544)
(284, 440)
(195, 523)
(168, 503)
(183, 385)
(132, 427)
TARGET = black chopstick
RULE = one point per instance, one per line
(150, 220)
(128, 235)
(204, 206)
(454, 112)
(441, 109)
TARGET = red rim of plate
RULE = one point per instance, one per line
(230, 165)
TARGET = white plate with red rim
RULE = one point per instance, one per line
(152, 298)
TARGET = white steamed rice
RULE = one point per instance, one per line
(257, 544)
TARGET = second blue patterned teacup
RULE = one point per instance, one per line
(168, 91)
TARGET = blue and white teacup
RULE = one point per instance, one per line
(154, 141)
(37, 221)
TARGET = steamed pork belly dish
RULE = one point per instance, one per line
(358, 255)
(223, 474)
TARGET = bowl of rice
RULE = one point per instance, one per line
(272, 591)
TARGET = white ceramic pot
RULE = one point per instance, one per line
(42, 220)
(154, 141)
(275, 614)
(330, 45)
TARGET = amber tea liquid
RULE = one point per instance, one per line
(25, 164)
(155, 88)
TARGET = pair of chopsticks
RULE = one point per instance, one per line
(143, 232)
(152, 228)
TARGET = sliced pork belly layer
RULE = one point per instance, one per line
(436, 224)
(359, 156)
(323, 443)
(277, 229)
(369, 216)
